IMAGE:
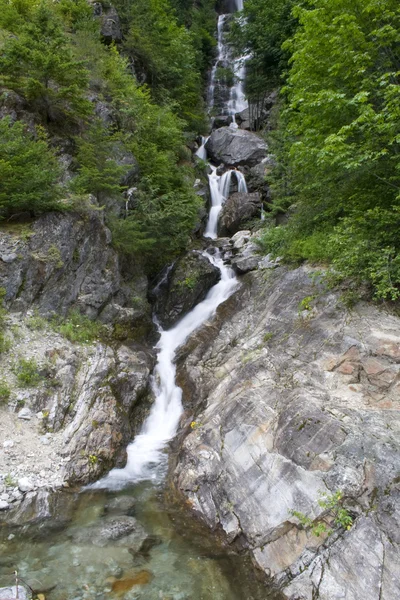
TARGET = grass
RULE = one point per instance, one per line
(78, 328)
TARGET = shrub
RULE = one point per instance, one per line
(27, 372)
(5, 391)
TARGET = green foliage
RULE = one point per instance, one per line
(28, 171)
(332, 505)
(98, 172)
(78, 328)
(163, 51)
(9, 481)
(5, 391)
(337, 142)
(36, 322)
(266, 25)
(39, 64)
(27, 372)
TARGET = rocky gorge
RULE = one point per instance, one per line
(280, 461)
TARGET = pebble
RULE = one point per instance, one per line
(3, 505)
(11, 537)
(8, 444)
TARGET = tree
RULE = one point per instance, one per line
(28, 171)
(38, 63)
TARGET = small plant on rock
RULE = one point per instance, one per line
(333, 506)
(27, 372)
(5, 391)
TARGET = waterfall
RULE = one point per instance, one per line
(237, 99)
(146, 457)
(219, 190)
(202, 152)
(220, 56)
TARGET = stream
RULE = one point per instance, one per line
(121, 537)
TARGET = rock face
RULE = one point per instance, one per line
(65, 261)
(235, 147)
(298, 397)
(187, 284)
(238, 209)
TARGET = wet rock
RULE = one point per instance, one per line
(235, 147)
(111, 30)
(121, 505)
(238, 209)
(121, 530)
(291, 404)
(188, 283)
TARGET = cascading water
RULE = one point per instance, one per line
(219, 190)
(202, 152)
(220, 57)
(146, 456)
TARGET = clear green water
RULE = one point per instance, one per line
(167, 556)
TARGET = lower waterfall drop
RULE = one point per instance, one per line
(146, 457)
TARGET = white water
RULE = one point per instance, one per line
(220, 56)
(202, 152)
(219, 190)
(237, 99)
(146, 456)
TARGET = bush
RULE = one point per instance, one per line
(27, 372)
(5, 391)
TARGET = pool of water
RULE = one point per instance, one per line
(128, 545)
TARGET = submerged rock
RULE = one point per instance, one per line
(235, 147)
(298, 397)
(10, 593)
(188, 283)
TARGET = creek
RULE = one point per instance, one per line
(120, 538)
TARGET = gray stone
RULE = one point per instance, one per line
(8, 258)
(8, 444)
(25, 484)
(238, 209)
(235, 147)
(244, 264)
(25, 413)
(187, 284)
(240, 239)
(3, 505)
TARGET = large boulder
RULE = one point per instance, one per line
(238, 208)
(235, 147)
(187, 284)
(298, 397)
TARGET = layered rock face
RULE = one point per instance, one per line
(66, 261)
(298, 397)
(235, 147)
(79, 404)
